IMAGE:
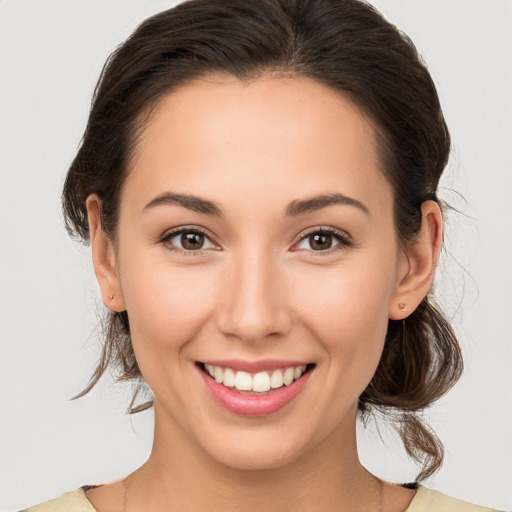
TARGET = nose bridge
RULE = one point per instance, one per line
(253, 307)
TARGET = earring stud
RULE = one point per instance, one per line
(110, 297)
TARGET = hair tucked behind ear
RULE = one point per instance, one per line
(344, 44)
(421, 362)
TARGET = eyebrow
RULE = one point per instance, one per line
(321, 201)
(293, 209)
(194, 203)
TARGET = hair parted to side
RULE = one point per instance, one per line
(344, 44)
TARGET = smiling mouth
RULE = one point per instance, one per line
(260, 383)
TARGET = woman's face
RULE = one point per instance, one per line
(255, 235)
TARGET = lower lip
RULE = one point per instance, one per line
(254, 405)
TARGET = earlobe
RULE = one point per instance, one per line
(422, 255)
(104, 258)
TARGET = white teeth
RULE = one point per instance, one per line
(298, 372)
(288, 376)
(243, 381)
(210, 369)
(276, 381)
(259, 383)
(229, 378)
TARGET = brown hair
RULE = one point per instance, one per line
(344, 44)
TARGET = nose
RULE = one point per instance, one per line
(253, 306)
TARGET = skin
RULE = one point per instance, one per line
(258, 289)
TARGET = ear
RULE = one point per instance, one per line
(104, 257)
(417, 270)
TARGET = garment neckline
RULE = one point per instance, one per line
(414, 486)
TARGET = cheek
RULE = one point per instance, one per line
(167, 306)
(346, 309)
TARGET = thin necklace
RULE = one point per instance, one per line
(378, 501)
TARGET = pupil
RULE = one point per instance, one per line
(321, 241)
(192, 240)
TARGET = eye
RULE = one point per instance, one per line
(187, 240)
(323, 240)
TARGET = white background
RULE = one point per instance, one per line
(51, 53)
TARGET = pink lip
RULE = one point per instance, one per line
(240, 365)
(254, 405)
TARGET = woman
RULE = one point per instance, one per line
(258, 183)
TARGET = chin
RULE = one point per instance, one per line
(256, 459)
(254, 449)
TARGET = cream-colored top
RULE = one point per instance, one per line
(426, 500)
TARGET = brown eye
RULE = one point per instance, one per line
(187, 240)
(320, 241)
(324, 241)
(192, 241)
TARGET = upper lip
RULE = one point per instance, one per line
(254, 366)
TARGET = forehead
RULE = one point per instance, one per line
(287, 134)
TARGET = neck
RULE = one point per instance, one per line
(178, 476)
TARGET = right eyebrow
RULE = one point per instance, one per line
(194, 203)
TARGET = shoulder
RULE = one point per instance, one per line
(427, 500)
(73, 501)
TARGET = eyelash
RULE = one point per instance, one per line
(344, 241)
(165, 240)
(342, 238)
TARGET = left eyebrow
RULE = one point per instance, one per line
(194, 203)
(316, 203)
